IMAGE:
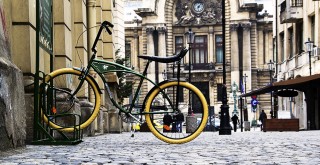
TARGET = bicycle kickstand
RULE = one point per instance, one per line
(133, 130)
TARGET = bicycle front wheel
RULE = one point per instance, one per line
(175, 113)
(59, 100)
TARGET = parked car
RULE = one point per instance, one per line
(214, 121)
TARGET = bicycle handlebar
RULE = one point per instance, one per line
(105, 24)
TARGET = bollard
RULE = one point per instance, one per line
(191, 124)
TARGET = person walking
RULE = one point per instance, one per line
(262, 118)
(235, 121)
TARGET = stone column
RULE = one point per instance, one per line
(150, 52)
(247, 53)
(91, 22)
(162, 48)
(211, 53)
(23, 55)
(135, 54)
(79, 24)
(234, 53)
(86, 110)
(62, 34)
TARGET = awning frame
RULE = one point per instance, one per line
(299, 83)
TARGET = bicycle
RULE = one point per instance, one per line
(166, 99)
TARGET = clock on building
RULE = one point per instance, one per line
(198, 7)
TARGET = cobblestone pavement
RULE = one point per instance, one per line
(251, 147)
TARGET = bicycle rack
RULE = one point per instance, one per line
(44, 134)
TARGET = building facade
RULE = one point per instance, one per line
(75, 25)
(296, 24)
(160, 27)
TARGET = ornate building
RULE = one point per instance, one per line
(74, 24)
(297, 23)
(160, 27)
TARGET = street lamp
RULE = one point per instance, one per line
(270, 67)
(309, 45)
(234, 90)
(190, 39)
(225, 128)
(245, 82)
(164, 75)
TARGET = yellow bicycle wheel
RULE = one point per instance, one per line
(58, 100)
(162, 117)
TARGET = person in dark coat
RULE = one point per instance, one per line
(235, 121)
(262, 118)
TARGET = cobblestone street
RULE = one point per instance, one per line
(252, 147)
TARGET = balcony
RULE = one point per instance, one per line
(291, 12)
(204, 66)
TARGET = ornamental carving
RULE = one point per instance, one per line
(149, 29)
(246, 25)
(162, 29)
(198, 12)
(234, 27)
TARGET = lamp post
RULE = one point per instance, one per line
(245, 88)
(234, 89)
(190, 39)
(309, 45)
(225, 128)
(164, 75)
(270, 67)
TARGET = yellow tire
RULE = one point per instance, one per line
(67, 79)
(157, 106)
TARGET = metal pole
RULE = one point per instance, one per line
(310, 62)
(36, 78)
(276, 54)
(241, 119)
(190, 108)
(225, 128)
(273, 113)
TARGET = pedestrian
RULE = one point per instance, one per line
(262, 118)
(235, 121)
(167, 121)
(179, 119)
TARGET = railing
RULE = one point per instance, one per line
(294, 62)
(296, 3)
(202, 66)
(292, 13)
(303, 59)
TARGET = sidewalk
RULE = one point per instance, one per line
(250, 147)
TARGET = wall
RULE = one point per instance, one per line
(12, 102)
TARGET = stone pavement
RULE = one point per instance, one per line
(251, 147)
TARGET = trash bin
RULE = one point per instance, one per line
(246, 126)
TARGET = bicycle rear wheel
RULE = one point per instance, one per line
(161, 108)
(58, 100)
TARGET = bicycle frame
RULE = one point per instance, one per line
(102, 67)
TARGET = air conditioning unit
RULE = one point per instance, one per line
(290, 74)
(315, 51)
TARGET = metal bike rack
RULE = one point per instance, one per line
(43, 134)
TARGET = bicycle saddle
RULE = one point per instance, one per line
(168, 59)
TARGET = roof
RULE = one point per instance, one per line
(300, 83)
